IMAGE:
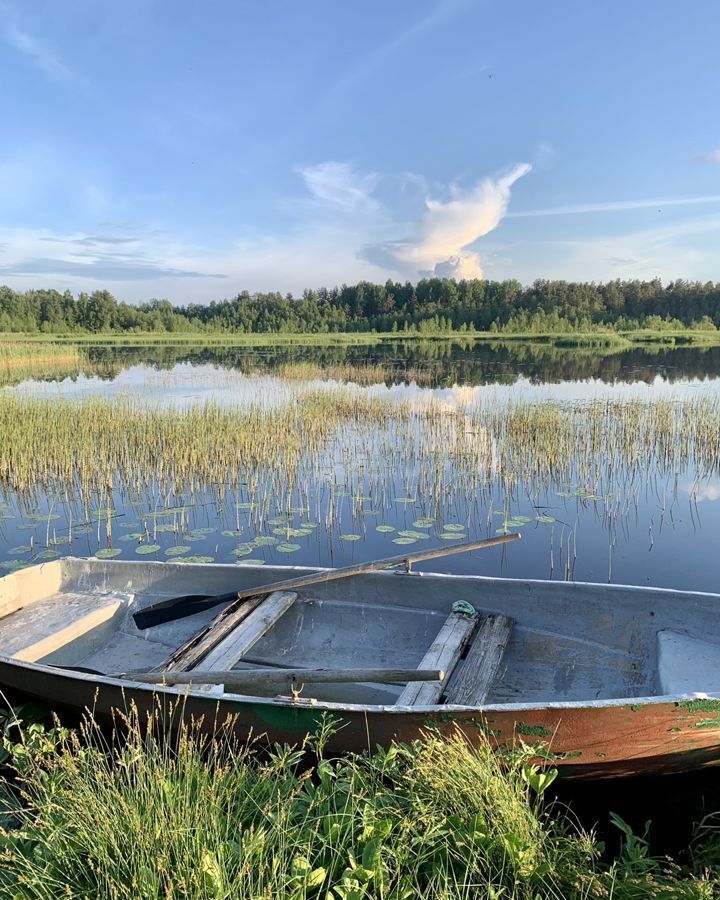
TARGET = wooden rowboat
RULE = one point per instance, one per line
(606, 680)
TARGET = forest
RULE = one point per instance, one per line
(433, 305)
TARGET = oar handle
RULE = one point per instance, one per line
(389, 562)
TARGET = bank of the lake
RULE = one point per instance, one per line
(596, 338)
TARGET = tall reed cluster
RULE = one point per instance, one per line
(371, 445)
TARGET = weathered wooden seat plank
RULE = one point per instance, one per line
(443, 653)
(236, 644)
(471, 683)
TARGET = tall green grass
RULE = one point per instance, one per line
(186, 818)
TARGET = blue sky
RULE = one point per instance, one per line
(188, 150)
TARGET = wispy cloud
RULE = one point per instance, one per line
(712, 157)
(97, 258)
(36, 51)
(683, 249)
(614, 206)
(446, 229)
(339, 185)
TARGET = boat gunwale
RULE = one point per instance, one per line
(305, 703)
(324, 705)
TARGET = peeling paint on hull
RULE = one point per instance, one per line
(609, 741)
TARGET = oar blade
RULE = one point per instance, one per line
(178, 608)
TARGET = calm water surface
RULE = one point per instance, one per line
(665, 532)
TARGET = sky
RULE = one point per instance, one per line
(192, 150)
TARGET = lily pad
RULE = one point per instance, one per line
(108, 552)
(423, 523)
(177, 551)
(265, 540)
(350, 537)
(288, 548)
(47, 554)
(195, 559)
(451, 536)
(23, 548)
(164, 528)
(144, 549)
(405, 499)
(416, 535)
(28, 526)
(453, 527)
(404, 540)
(242, 551)
(547, 520)
(245, 505)
(44, 517)
(280, 520)
(232, 533)
(384, 529)
(251, 562)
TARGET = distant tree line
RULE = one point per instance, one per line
(430, 306)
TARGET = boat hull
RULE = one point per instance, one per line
(576, 649)
(583, 741)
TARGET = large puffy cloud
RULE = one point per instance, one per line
(447, 228)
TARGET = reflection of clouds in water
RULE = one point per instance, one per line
(704, 491)
(186, 384)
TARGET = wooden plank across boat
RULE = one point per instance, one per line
(606, 680)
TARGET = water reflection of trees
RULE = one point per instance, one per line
(436, 363)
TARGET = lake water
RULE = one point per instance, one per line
(663, 532)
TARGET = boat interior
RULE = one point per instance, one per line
(497, 640)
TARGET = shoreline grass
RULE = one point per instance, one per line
(149, 817)
(569, 339)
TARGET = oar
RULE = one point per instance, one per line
(180, 607)
(242, 679)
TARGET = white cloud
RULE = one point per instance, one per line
(614, 205)
(339, 185)
(37, 52)
(447, 228)
(714, 157)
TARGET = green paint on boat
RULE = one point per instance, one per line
(535, 730)
(709, 723)
(700, 705)
(636, 707)
(286, 718)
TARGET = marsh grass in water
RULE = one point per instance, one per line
(19, 361)
(185, 818)
(95, 443)
(257, 481)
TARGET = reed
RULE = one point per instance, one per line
(602, 448)
(19, 361)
